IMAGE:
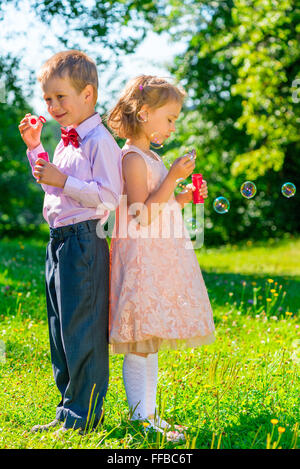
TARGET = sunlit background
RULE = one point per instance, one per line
(238, 62)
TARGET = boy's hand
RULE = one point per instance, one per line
(48, 173)
(30, 135)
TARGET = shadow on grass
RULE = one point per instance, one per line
(252, 432)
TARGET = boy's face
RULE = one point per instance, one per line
(65, 104)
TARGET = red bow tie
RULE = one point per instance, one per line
(69, 136)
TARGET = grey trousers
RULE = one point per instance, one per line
(77, 292)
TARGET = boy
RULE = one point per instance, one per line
(82, 184)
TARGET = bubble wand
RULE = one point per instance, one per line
(34, 121)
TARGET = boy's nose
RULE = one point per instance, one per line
(54, 106)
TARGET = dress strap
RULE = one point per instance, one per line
(132, 148)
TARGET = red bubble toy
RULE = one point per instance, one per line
(34, 121)
(197, 183)
(44, 156)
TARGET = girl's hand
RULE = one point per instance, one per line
(48, 173)
(182, 168)
(30, 135)
(203, 191)
(186, 195)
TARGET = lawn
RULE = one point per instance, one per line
(240, 392)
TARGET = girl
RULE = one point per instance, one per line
(158, 297)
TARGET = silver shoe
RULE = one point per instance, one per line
(47, 427)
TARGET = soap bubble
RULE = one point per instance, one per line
(181, 185)
(288, 189)
(191, 154)
(156, 140)
(167, 162)
(221, 205)
(248, 189)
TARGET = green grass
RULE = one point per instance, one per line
(226, 393)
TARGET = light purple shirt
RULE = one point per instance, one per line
(94, 170)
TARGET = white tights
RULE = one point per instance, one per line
(140, 381)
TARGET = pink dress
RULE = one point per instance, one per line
(158, 298)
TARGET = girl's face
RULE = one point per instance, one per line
(160, 122)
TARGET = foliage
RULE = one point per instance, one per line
(20, 196)
(114, 26)
(268, 60)
(16, 195)
(21, 199)
(240, 70)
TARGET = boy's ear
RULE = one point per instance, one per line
(88, 92)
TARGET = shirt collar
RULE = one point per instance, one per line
(88, 124)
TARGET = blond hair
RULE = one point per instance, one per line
(74, 64)
(144, 89)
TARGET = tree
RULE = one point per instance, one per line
(239, 68)
(115, 25)
(268, 59)
(20, 201)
